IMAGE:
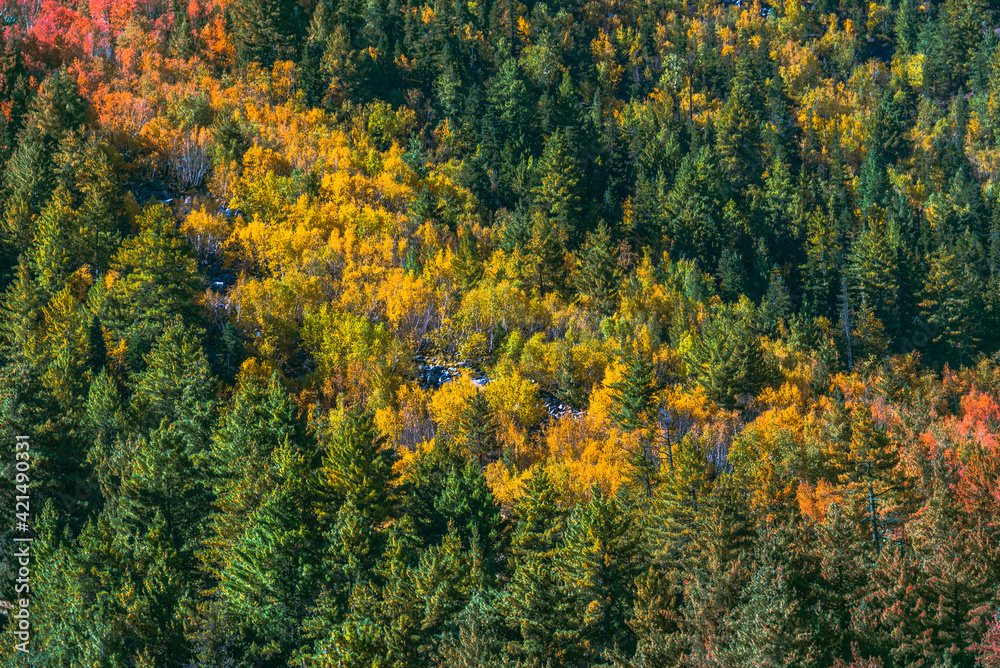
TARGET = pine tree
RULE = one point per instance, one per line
(776, 307)
(730, 274)
(843, 578)
(541, 521)
(468, 264)
(466, 506)
(103, 415)
(354, 547)
(538, 608)
(821, 272)
(21, 322)
(950, 300)
(478, 430)
(357, 467)
(600, 561)
(448, 85)
(721, 568)
(873, 271)
(507, 94)
(873, 182)
(155, 481)
(83, 168)
(480, 641)
(884, 146)
(635, 411)
(928, 604)
(726, 357)
(266, 30)
(182, 44)
(262, 421)
(29, 178)
(157, 280)
(867, 469)
(681, 498)
(401, 607)
(868, 338)
(313, 49)
(422, 485)
(354, 639)
(634, 394)
(66, 346)
(444, 580)
(646, 223)
(50, 252)
(272, 572)
(597, 274)
(15, 90)
(557, 196)
(113, 594)
(953, 43)
(656, 622)
(948, 583)
(535, 602)
(546, 253)
(691, 210)
(176, 385)
(776, 213)
(738, 129)
(767, 627)
(991, 275)
(906, 27)
(42, 385)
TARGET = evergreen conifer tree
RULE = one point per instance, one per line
(467, 507)
(357, 467)
(635, 411)
(468, 264)
(536, 603)
(557, 196)
(600, 561)
(546, 253)
(692, 208)
(867, 468)
(596, 274)
(738, 129)
(950, 303)
(29, 178)
(158, 278)
(478, 430)
(726, 357)
(266, 30)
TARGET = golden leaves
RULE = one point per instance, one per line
(206, 231)
(608, 69)
(524, 30)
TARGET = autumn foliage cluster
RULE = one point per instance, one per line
(569, 333)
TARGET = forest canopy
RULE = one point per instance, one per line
(492, 333)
